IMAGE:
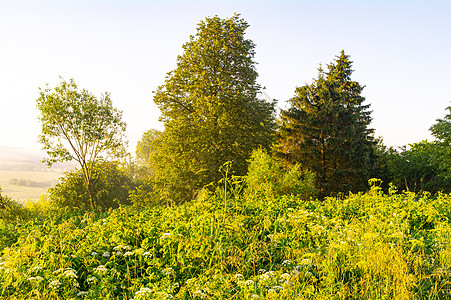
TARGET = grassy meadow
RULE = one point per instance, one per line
(232, 244)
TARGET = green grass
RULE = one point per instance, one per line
(365, 246)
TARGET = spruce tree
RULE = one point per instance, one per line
(210, 110)
(326, 130)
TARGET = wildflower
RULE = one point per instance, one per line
(147, 254)
(128, 253)
(101, 269)
(35, 269)
(37, 278)
(117, 248)
(285, 276)
(308, 274)
(119, 253)
(271, 291)
(165, 235)
(70, 273)
(286, 263)
(249, 282)
(254, 296)
(82, 294)
(270, 273)
(144, 292)
(200, 294)
(306, 261)
(261, 271)
(239, 277)
(94, 253)
(92, 279)
(128, 248)
(277, 287)
(189, 281)
(139, 251)
(54, 284)
(106, 254)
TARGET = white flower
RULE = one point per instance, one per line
(200, 294)
(249, 282)
(285, 276)
(37, 278)
(165, 235)
(271, 291)
(254, 296)
(92, 279)
(128, 248)
(147, 253)
(239, 277)
(119, 253)
(144, 292)
(100, 269)
(82, 294)
(35, 269)
(94, 253)
(128, 253)
(106, 254)
(139, 251)
(277, 287)
(54, 284)
(70, 273)
(286, 263)
(117, 248)
(306, 261)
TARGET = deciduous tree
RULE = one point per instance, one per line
(76, 125)
(210, 109)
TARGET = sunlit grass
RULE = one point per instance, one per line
(365, 246)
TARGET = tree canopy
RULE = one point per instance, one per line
(78, 126)
(210, 109)
(326, 130)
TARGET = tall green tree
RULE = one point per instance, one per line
(210, 109)
(326, 130)
(78, 126)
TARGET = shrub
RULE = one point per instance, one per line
(11, 210)
(110, 188)
(267, 177)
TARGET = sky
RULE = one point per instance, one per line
(400, 49)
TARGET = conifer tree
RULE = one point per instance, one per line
(326, 130)
(210, 110)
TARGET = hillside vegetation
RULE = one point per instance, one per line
(237, 244)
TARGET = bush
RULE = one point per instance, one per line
(11, 210)
(110, 188)
(267, 177)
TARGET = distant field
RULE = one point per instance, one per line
(44, 179)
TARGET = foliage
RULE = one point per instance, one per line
(416, 169)
(364, 246)
(110, 190)
(442, 154)
(266, 177)
(10, 210)
(144, 151)
(210, 110)
(326, 130)
(76, 125)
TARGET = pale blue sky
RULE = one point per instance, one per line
(401, 52)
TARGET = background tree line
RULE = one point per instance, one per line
(212, 115)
